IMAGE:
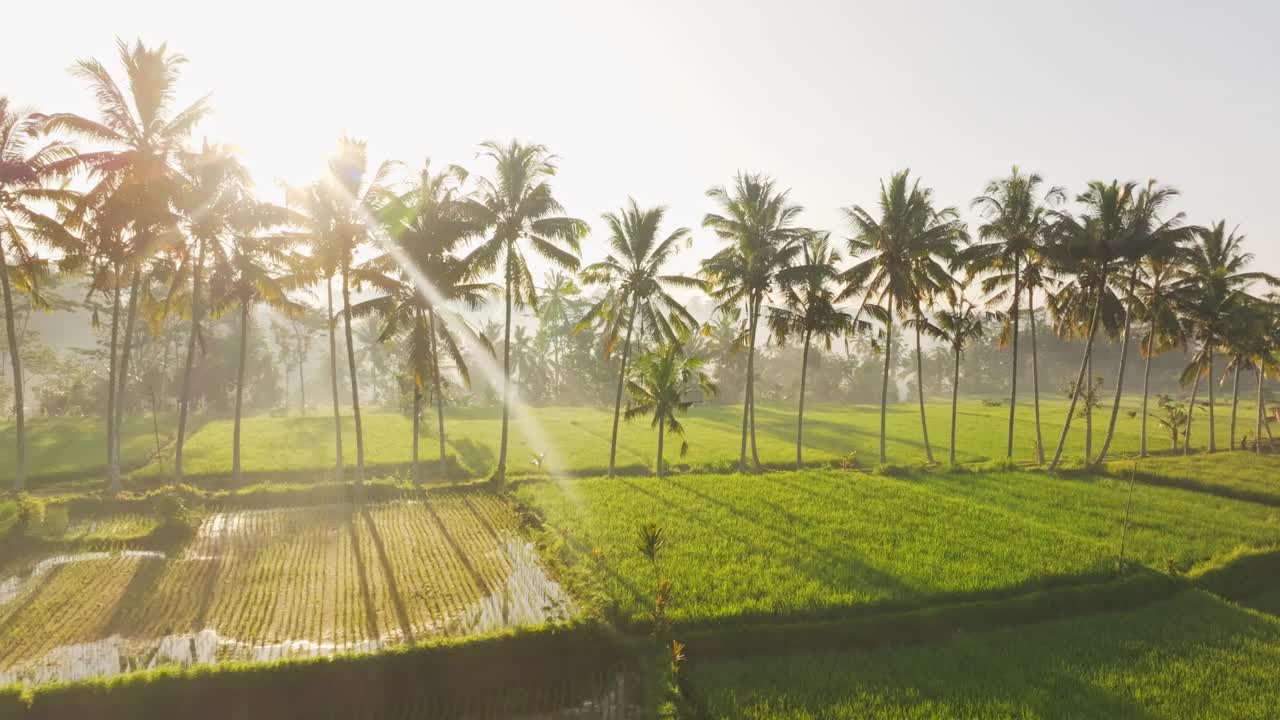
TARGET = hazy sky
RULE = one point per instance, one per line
(661, 100)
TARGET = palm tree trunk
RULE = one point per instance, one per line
(417, 428)
(747, 398)
(1035, 371)
(1124, 358)
(113, 481)
(662, 429)
(1088, 414)
(184, 403)
(1213, 445)
(500, 475)
(804, 373)
(122, 377)
(1146, 389)
(333, 381)
(924, 422)
(15, 358)
(1084, 368)
(622, 375)
(955, 399)
(1235, 400)
(244, 354)
(755, 325)
(1013, 372)
(1191, 411)
(435, 381)
(1262, 416)
(355, 384)
(884, 384)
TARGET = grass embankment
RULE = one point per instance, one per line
(69, 447)
(1194, 655)
(825, 544)
(576, 440)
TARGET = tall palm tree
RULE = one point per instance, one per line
(1212, 287)
(429, 225)
(1009, 254)
(135, 177)
(1245, 341)
(637, 290)
(1152, 301)
(254, 270)
(1089, 246)
(809, 310)
(1146, 236)
(520, 213)
(662, 382)
(213, 197)
(958, 325)
(757, 221)
(903, 268)
(28, 184)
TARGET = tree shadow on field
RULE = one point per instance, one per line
(476, 577)
(474, 456)
(371, 619)
(131, 609)
(388, 573)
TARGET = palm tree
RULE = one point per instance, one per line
(903, 267)
(1246, 342)
(661, 384)
(1211, 288)
(637, 290)
(1088, 246)
(134, 179)
(1152, 301)
(255, 270)
(1146, 236)
(428, 225)
(27, 174)
(758, 222)
(518, 207)
(960, 324)
(1017, 219)
(214, 196)
(809, 310)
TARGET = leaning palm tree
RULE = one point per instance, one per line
(809, 310)
(1146, 236)
(428, 225)
(637, 290)
(517, 208)
(134, 177)
(1009, 255)
(958, 325)
(1212, 287)
(256, 269)
(27, 186)
(662, 383)
(904, 253)
(757, 221)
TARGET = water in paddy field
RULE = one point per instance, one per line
(526, 596)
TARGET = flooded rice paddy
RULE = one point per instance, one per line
(266, 585)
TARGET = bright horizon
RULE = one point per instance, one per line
(661, 102)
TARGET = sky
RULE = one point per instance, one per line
(661, 100)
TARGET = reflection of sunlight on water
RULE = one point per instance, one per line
(11, 587)
(527, 597)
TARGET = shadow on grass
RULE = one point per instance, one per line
(389, 575)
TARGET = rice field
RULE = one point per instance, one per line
(786, 546)
(270, 584)
(1193, 656)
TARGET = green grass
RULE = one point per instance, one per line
(820, 543)
(63, 446)
(1191, 656)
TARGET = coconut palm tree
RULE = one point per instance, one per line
(1245, 342)
(757, 222)
(637, 290)
(429, 227)
(1146, 236)
(1152, 302)
(1212, 287)
(809, 310)
(520, 213)
(662, 383)
(253, 269)
(134, 178)
(958, 325)
(1009, 255)
(28, 185)
(903, 253)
